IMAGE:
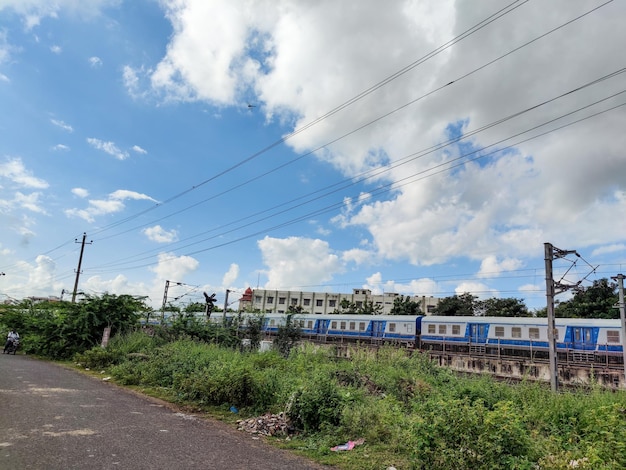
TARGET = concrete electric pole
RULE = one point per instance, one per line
(622, 314)
(80, 262)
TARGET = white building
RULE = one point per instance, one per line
(279, 301)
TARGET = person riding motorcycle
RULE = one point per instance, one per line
(11, 338)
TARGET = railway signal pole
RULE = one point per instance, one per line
(553, 288)
(622, 314)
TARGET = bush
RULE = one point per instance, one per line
(315, 404)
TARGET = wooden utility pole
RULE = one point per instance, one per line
(80, 262)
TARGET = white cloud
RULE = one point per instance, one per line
(108, 147)
(3, 77)
(296, 262)
(60, 148)
(301, 61)
(95, 62)
(231, 275)
(609, 249)
(15, 171)
(34, 11)
(80, 192)
(138, 149)
(490, 266)
(114, 203)
(478, 289)
(160, 235)
(175, 267)
(56, 49)
(62, 125)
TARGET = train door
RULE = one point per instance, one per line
(322, 327)
(378, 328)
(478, 333)
(582, 338)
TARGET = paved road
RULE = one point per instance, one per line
(54, 418)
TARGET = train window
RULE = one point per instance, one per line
(577, 335)
(612, 336)
(456, 329)
(443, 329)
(281, 300)
(301, 323)
(272, 322)
(333, 325)
(587, 335)
(342, 325)
(270, 300)
(310, 324)
(533, 333)
(499, 331)
(362, 326)
(431, 329)
(392, 327)
(516, 332)
(352, 326)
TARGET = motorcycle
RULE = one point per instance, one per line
(11, 347)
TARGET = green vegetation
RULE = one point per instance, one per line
(411, 414)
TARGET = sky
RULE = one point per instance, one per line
(421, 147)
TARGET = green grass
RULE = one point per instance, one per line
(412, 414)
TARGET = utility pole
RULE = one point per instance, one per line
(167, 286)
(622, 314)
(552, 288)
(80, 261)
(226, 303)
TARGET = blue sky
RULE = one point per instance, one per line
(385, 147)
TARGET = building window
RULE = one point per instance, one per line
(533, 333)
(362, 326)
(281, 311)
(456, 329)
(270, 300)
(281, 300)
(258, 299)
(431, 329)
(294, 301)
(612, 336)
(306, 301)
(319, 302)
(332, 303)
(516, 332)
(430, 308)
(358, 304)
(392, 327)
(442, 329)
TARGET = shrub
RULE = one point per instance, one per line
(318, 402)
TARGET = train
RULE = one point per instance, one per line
(597, 341)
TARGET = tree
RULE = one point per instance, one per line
(405, 306)
(457, 305)
(288, 335)
(595, 301)
(507, 307)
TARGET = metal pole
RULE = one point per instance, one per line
(554, 371)
(167, 286)
(622, 314)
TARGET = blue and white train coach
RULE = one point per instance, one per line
(595, 339)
